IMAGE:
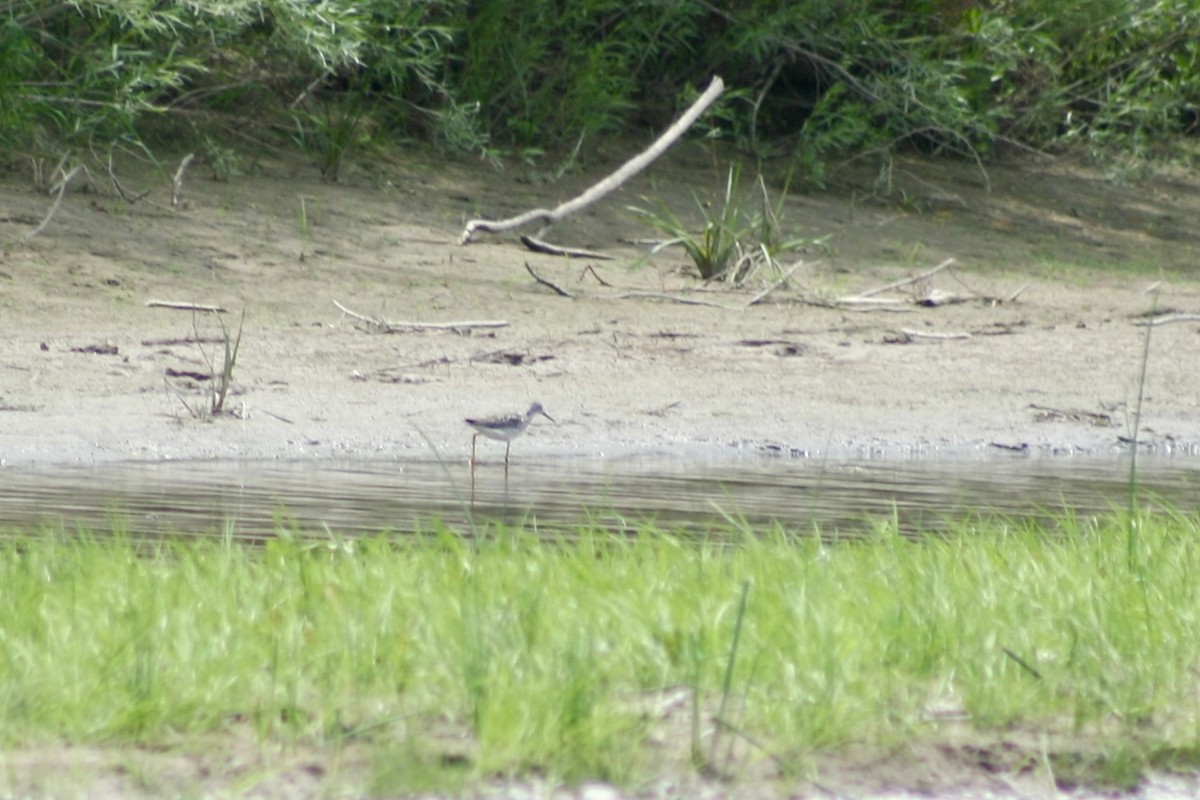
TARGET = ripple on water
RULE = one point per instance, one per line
(355, 497)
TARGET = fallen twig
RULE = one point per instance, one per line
(870, 301)
(659, 243)
(1021, 447)
(1168, 319)
(376, 322)
(932, 335)
(1020, 291)
(937, 297)
(613, 181)
(906, 281)
(1095, 417)
(184, 306)
(596, 275)
(177, 181)
(62, 189)
(392, 327)
(869, 309)
(538, 246)
(758, 298)
(59, 167)
(546, 283)
(661, 411)
(276, 416)
(112, 176)
(674, 298)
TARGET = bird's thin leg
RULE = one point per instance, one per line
(473, 440)
(506, 446)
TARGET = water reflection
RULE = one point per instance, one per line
(248, 498)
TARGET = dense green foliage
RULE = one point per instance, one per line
(961, 75)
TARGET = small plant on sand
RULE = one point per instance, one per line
(328, 133)
(220, 379)
(303, 227)
(738, 238)
(223, 380)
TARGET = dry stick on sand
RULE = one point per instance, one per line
(62, 188)
(675, 298)
(184, 306)
(1012, 297)
(392, 327)
(177, 181)
(903, 282)
(758, 298)
(547, 283)
(1168, 319)
(538, 246)
(596, 275)
(627, 170)
(112, 177)
(931, 335)
(894, 309)
(59, 167)
(1097, 417)
(870, 302)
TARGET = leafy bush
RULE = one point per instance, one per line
(545, 71)
(965, 75)
(851, 76)
(93, 69)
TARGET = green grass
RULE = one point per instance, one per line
(539, 657)
(740, 233)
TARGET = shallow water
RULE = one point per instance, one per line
(355, 497)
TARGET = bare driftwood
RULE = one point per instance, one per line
(905, 281)
(858, 300)
(758, 298)
(178, 306)
(62, 188)
(1019, 291)
(392, 327)
(538, 246)
(548, 284)
(596, 275)
(659, 243)
(112, 177)
(674, 298)
(1097, 418)
(889, 309)
(613, 181)
(1168, 319)
(937, 297)
(931, 335)
(177, 181)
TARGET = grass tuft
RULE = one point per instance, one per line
(739, 236)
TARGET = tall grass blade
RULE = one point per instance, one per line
(727, 681)
(1135, 440)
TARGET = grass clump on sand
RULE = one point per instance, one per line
(447, 659)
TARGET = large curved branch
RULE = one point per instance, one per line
(630, 168)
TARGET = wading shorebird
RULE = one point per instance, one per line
(504, 428)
